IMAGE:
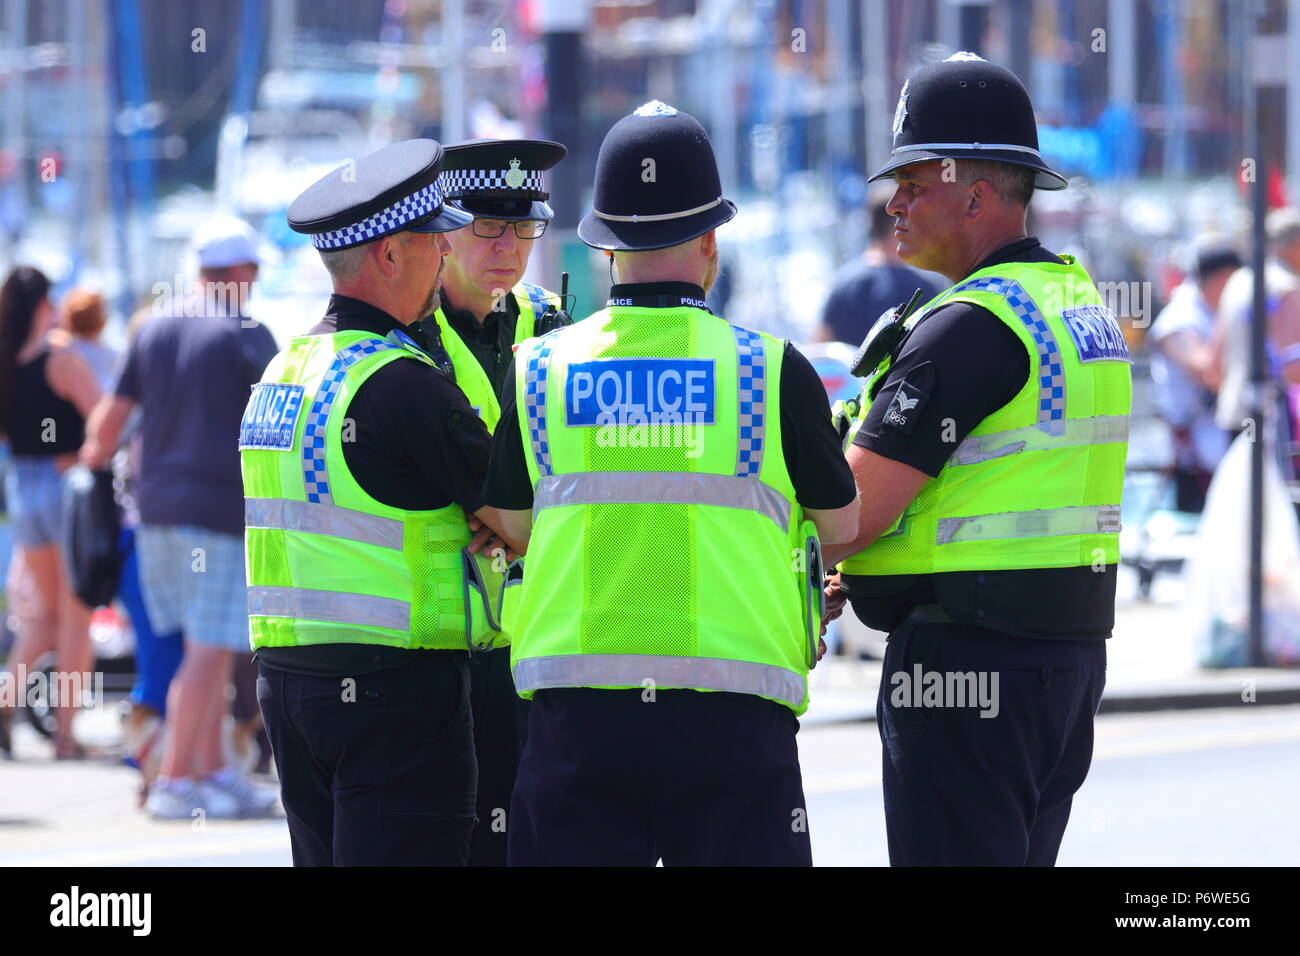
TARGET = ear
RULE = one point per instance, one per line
(387, 256)
(709, 242)
(981, 195)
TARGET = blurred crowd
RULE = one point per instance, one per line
(157, 417)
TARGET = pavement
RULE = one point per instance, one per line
(83, 813)
(1151, 665)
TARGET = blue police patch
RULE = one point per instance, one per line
(640, 391)
(271, 416)
(1096, 334)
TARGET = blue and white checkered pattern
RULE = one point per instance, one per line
(537, 296)
(315, 473)
(539, 360)
(1051, 373)
(751, 395)
(461, 182)
(390, 219)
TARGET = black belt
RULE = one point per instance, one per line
(926, 614)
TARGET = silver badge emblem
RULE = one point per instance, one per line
(900, 112)
(515, 175)
(654, 108)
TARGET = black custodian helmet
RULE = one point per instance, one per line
(657, 183)
(967, 108)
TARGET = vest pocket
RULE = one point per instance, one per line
(508, 598)
(814, 594)
(481, 624)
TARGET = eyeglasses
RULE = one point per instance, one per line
(524, 228)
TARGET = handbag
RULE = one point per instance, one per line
(92, 527)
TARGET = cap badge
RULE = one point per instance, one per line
(515, 175)
(654, 108)
(900, 112)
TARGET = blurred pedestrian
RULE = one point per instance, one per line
(157, 656)
(83, 317)
(875, 281)
(1282, 337)
(1185, 373)
(46, 390)
(189, 371)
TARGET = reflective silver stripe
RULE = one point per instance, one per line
(667, 487)
(337, 607)
(1062, 433)
(633, 670)
(317, 518)
(658, 217)
(1011, 146)
(1044, 523)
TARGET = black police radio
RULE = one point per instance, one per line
(885, 338)
(554, 318)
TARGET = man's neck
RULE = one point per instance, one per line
(378, 301)
(984, 247)
(480, 307)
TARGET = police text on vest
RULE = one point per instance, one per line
(629, 391)
(1096, 334)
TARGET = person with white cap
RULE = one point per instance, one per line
(189, 370)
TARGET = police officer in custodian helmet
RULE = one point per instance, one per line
(673, 473)
(989, 450)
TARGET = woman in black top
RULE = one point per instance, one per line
(46, 391)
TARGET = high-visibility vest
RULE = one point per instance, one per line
(532, 301)
(1037, 483)
(668, 550)
(326, 562)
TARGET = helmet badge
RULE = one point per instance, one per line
(515, 175)
(900, 112)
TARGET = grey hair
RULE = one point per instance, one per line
(1013, 184)
(344, 263)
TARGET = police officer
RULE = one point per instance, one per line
(990, 455)
(486, 309)
(362, 465)
(674, 473)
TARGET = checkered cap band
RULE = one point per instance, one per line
(315, 471)
(406, 210)
(461, 182)
(1051, 371)
(751, 394)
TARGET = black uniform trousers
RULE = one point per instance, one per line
(969, 790)
(500, 728)
(615, 778)
(377, 774)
